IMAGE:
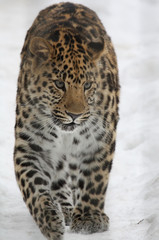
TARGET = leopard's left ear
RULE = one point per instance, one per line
(95, 49)
(41, 48)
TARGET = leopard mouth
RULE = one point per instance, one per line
(67, 126)
(64, 126)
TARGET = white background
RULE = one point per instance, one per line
(133, 194)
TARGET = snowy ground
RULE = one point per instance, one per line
(133, 195)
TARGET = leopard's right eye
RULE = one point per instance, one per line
(60, 84)
(87, 85)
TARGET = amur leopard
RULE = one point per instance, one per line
(66, 118)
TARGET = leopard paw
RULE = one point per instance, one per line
(90, 222)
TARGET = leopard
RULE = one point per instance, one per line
(67, 110)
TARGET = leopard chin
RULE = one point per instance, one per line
(69, 127)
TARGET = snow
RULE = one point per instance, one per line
(133, 194)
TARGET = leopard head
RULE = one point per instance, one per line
(65, 72)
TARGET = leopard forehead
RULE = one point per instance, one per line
(74, 60)
(69, 60)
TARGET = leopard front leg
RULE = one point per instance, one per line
(48, 215)
(88, 215)
(34, 183)
(63, 196)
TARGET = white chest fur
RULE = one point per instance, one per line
(75, 143)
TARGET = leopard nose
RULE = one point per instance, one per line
(74, 116)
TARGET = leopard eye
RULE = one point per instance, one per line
(87, 85)
(60, 84)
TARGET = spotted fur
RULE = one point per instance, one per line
(66, 118)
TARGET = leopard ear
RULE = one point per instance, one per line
(41, 48)
(95, 49)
